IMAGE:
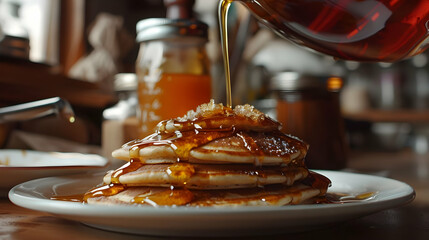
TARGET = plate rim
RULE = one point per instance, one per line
(104, 162)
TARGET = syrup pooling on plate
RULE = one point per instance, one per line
(342, 198)
(104, 190)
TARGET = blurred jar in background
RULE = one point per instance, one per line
(308, 107)
(172, 69)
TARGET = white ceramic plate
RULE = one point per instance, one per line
(206, 221)
(18, 166)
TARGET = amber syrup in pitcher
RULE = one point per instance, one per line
(370, 30)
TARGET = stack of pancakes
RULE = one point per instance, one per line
(214, 156)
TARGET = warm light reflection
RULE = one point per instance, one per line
(72, 119)
(334, 83)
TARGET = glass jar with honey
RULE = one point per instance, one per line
(172, 68)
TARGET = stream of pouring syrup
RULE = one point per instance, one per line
(223, 12)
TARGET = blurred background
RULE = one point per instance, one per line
(85, 52)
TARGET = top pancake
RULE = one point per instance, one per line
(272, 148)
(217, 116)
(216, 134)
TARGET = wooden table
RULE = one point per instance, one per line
(408, 222)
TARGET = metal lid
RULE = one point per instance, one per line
(163, 28)
(293, 81)
(125, 82)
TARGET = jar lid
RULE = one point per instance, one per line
(125, 82)
(164, 28)
(293, 81)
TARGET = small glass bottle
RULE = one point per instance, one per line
(172, 69)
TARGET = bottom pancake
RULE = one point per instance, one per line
(272, 195)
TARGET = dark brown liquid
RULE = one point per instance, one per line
(370, 30)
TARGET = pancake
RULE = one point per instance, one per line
(216, 116)
(197, 176)
(272, 148)
(268, 150)
(218, 135)
(157, 196)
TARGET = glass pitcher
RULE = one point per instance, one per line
(360, 30)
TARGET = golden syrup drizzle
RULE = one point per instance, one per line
(168, 197)
(180, 173)
(289, 144)
(134, 152)
(115, 186)
(253, 147)
(130, 166)
(275, 143)
(223, 12)
(317, 181)
(183, 144)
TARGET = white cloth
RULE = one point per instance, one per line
(109, 41)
